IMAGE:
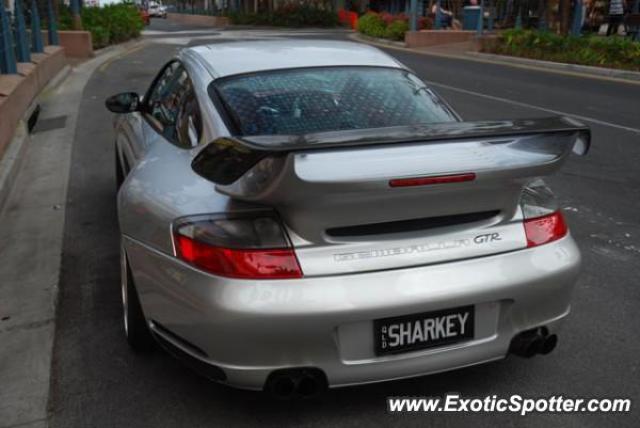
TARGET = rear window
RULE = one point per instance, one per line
(303, 101)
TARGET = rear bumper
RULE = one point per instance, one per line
(251, 328)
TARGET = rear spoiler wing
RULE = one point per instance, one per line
(226, 159)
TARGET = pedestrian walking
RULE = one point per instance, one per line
(616, 14)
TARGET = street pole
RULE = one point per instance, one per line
(52, 25)
(438, 24)
(414, 16)
(577, 18)
(22, 47)
(7, 54)
(75, 13)
(36, 35)
(481, 18)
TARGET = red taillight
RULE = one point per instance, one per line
(542, 230)
(440, 179)
(236, 263)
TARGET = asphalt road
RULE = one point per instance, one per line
(98, 382)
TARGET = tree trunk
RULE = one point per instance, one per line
(76, 23)
(565, 16)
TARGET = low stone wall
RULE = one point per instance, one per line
(426, 38)
(487, 43)
(76, 44)
(17, 91)
(199, 20)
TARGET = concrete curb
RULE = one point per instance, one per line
(57, 80)
(12, 159)
(122, 46)
(585, 71)
(365, 38)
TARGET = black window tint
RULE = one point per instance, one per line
(173, 108)
(189, 122)
(312, 100)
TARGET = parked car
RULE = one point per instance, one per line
(303, 214)
(157, 10)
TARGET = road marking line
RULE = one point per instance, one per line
(519, 104)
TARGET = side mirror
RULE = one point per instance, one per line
(126, 102)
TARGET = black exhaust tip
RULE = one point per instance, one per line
(549, 344)
(288, 384)
(533, 342)
(307, 386)
(534, 346)
(282, 387)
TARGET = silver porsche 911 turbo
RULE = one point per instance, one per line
(297, 215)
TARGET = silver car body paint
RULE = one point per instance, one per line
(325, 319)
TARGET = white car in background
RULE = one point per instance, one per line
(157, 10)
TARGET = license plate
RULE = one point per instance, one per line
(425, 330)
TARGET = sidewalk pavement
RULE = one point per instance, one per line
(466, 51)
(31, 232)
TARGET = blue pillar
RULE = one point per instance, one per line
(577, 18)
(413, 19)
(438, 23)
(7, 54)
(52, 25)
(76, 20)
(491, 12)
(22, 41)
(36, 34)
(481, 18)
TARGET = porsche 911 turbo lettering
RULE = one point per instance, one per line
(297, 215)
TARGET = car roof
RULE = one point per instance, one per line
(230, 58)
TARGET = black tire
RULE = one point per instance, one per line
(119, 172)
(135, 324)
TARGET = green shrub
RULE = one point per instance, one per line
(64, 19)
(616, 52)
(372, 24)
(114, 23)
(396, 30)
(288, 15)
(99, 37)
(385, 25)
